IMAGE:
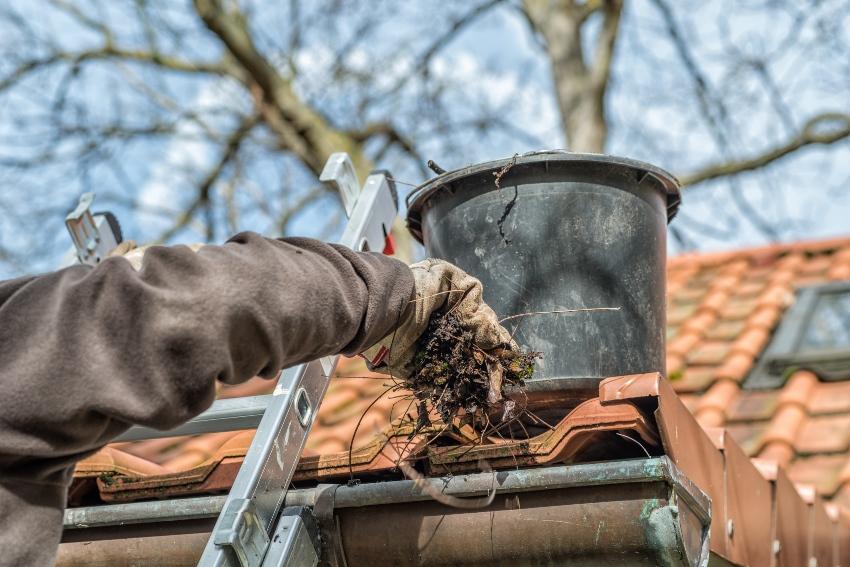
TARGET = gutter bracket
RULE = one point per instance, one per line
(332, 553)
(242, 532)
(295, 541)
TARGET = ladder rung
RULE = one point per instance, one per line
(229, 414)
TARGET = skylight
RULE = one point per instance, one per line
(829, 324)
(814, 335)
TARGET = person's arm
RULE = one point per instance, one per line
(85, 352)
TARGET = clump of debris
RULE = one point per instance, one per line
(460, 379)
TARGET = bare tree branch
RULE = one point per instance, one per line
(300, 128)
(110, 53)
(202, 199)
(393, 137)
(712, 107)
(87, 21)
(453, 30)
(422, 63)
(823, 129)
(308, 197)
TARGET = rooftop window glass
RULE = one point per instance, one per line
(814, 335)
(829, 324)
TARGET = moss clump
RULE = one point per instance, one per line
(107, 478)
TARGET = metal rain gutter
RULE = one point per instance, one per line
(635, 512)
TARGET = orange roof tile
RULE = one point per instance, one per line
(806, 424)
(722, 309)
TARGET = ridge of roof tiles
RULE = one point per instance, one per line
(722, 309)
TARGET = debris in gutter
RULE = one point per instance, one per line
(459, 379)
(423, 484)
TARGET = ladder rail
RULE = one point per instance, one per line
(230, 414)
(242, 532)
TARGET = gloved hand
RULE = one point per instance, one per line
(440, 287)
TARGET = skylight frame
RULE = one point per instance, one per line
(786, 353)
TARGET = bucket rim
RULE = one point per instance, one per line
(417, 198)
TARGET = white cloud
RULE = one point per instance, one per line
(187, 151)
(530, 108)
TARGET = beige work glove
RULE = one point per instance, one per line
(440, 287)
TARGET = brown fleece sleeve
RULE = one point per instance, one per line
(86, 352)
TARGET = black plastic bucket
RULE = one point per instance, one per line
(561, 231)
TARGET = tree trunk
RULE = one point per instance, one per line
(580, 86)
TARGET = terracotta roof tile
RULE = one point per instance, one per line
(197, 450)
(816, 266)
(680, 313)
(761, 269)
(738, 308)
(781, 453)
(764, 318)
(717, 299)
(725, 330)
(776, 295)
(785, 425)
(111, 460)
(675, 364)
(724, 284)
(805, 424)
(690, 401)
(749, 288)
(694, 379)
(757, 405)
(839, 272)
(155, 450)
(747, 435)
(752, 342)
(830, 398)
(821, 472)
(683, 343)
(842, 496)
(711, 417)
(722, 395)
(709, 353)
(841, 255)
(736, 367)
(737, 267)
(689, 297)
(826, 434)
(781, 277)
(798, 389)
(701, 323)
